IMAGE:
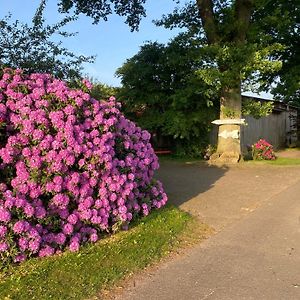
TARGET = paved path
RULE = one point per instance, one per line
(222, 195)
(253, 256)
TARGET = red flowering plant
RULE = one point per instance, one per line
(262, 150)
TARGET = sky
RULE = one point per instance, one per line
(111, 41)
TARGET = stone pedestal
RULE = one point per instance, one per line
(229, 146)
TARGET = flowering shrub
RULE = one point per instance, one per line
(71, 167)
(262, 150)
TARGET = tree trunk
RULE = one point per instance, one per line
(229, 143)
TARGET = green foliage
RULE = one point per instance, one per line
(229, 113)
(255, 41)
(257, 109)
(133, 10)
(102, 90)
(281, 19)
(162, 94)
(31, 48)
(174, 96)
(264, 51)
(96, 267)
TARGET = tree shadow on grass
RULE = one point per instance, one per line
(183, 181)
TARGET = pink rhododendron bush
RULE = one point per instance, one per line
(72, 167)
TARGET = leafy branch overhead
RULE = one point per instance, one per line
(271, 50)
(34, 49)
(253, 40)
(257, 109)
(262, 24)
(132, 10)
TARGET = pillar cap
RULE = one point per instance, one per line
(229, 122)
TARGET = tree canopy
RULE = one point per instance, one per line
(271, 58)
(281, 19)
(233, 43)
(132, 10)
(270, 29)
(223, 48)
(163, 94)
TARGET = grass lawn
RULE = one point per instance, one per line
(292, 149)
(100, 266)
(280, 161)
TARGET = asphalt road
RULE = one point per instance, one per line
(254, 256)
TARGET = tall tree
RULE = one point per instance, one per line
(235, 53)
(162, 92)
(230, 31)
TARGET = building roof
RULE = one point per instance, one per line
(278, 105)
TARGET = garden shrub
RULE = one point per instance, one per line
(262, 150)
(72, 167)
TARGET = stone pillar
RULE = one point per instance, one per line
(229, 146)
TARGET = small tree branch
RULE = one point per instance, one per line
(207, 17)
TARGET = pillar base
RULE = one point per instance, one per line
(225, 158)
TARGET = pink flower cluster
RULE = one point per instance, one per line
(262, 150)
(72, 167)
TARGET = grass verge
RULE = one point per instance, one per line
(280, 161)
(100, 266)
(292, 149)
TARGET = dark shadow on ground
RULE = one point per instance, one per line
(220, 195)
(183, 181)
